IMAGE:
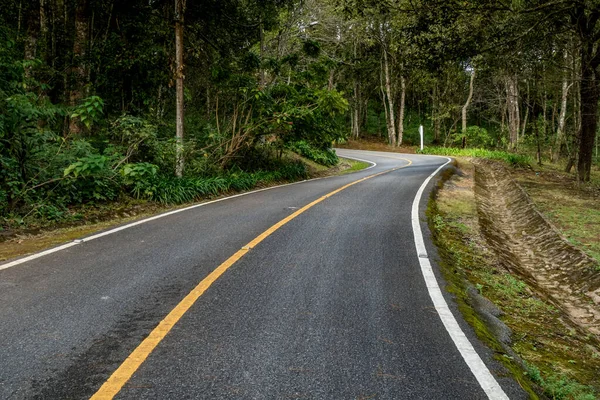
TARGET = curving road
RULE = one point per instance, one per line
(333, 304)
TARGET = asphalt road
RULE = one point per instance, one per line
(333, 305)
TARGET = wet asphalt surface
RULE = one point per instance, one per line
(331, 306)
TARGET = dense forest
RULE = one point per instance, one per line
(174, 100)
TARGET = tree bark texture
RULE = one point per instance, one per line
(31, 39)
(562, 116)
(262, 78)
(391, 122)
(79, 73)
(356, 111)
(512, 99)
(589, 110)
(179, 76)
(468, 102)
(401, 111)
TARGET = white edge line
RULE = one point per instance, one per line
(143, 221)
(483, 375)
(373, 164)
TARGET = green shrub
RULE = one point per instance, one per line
(475, 136)
(171, 190)
(516, 160)
(326, 157)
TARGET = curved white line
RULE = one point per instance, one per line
(483, 375)
(373, 163)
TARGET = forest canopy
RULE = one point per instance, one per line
(171, 100)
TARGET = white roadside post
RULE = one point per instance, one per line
(421, 133)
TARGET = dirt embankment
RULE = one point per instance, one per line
(530, 247)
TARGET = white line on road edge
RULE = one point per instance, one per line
(483, 375)
(373, 164)
(143, 221)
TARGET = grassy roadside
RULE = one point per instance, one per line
(557, 360)
(32, 239)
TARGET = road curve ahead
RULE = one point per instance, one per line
(314, 290)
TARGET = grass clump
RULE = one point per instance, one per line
(170, 190)
(559, 387)
(516, 160)
(355, 166)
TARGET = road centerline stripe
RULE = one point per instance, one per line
(125, 371)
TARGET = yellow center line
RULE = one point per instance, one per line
(119, 378)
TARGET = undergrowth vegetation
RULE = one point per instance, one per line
(516, 160)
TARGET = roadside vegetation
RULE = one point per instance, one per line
(548, 356)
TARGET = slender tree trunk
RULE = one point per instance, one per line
(435, 114)
(574, 140)
(44, 45)
(32, 36)
(401, 111)
(356, 112)
(79, 71)
(19, 18)
(391, 123)
(468, 102)
(385, 107)
(562, 116)
(512, 99)
(179, 76)
(356, 115)
(262, 78)
(528, 105)
(589, 111)
(330, 82)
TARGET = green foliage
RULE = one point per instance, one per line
(311, 48)
(559, 387)
(89, 111)
(138, 177)
(475, 136)
(170, 190)
(91, 178)
(516, 160)
(326, 157)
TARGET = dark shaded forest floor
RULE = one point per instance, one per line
(29, 239)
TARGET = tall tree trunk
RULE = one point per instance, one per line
(44, 42)
(391, 123)
(179, 76)
(562, 116)
(512, 99)
(528, 105)
(262, 78)
(401, 111)
(435, 114)
(468, 102)
(574, 140)
(79, 70)
(356, 110)
(589, 110)
(32, 35)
